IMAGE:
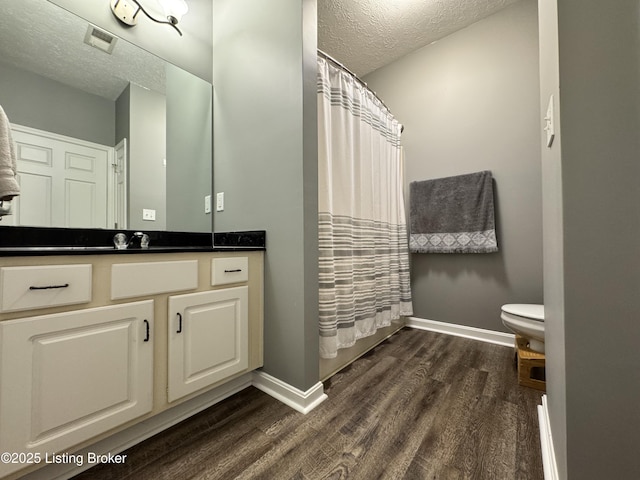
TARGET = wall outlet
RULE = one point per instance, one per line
(207, 204)
(148, 214)
(219, 201)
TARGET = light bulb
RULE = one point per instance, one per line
(174, 9)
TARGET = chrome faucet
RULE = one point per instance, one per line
(137, 240)
(5, 208)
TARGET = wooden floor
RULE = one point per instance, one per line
(420, 406)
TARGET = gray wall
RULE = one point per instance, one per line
(469, 102)
(38, 102)
(123, 115)
(189, 151)
(192, 51)
(553, 240)
(185, 142)
(147, 150)
(595, 296)
(265, 161)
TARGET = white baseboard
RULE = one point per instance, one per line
(301, 401)
(546, 442)
(489, 336)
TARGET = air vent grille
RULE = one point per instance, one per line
(100, 39)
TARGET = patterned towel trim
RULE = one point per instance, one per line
(458, 242)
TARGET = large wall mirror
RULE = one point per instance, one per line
(115, 139)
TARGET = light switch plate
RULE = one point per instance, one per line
(207, 204)
(549, 127)
(219, 201)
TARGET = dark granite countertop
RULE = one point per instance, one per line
(30, 241)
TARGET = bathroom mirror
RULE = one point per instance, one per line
(108, 134)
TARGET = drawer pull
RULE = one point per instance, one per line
(146, 324)
(49, 287)
(179, 323)
(233, 271)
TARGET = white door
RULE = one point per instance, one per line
(63, 181)
(208, 339)
(120, 186)
(67, 377)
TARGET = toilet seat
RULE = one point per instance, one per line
(524, 310)
(526, 320)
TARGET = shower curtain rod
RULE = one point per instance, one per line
(326, 56)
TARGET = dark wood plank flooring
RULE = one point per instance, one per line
(419, 406)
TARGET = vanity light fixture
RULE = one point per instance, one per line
(127, 12)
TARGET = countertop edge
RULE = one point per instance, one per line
(55, 251)
(34, 241)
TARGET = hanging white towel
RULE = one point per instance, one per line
(9, 187)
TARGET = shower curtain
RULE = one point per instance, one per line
(364, 259)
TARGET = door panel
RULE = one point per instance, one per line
(67, 377)
(76, 177)
(208, 339)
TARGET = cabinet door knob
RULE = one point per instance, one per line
(179, 323)
(147, 329)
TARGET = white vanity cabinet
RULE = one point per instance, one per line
(109, 349)
(208, 339)
(67, 377)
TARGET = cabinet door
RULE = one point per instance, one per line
(67, 377)
(208, 339)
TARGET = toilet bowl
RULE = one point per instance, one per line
(526, 320)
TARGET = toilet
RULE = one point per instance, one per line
(527, 321)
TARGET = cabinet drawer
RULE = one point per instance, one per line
(25, 288)
(229, 270)
(152, 278)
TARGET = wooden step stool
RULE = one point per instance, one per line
(531, 366)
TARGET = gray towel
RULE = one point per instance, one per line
(453, 215)
(9, 187)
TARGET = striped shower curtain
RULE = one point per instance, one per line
(364, 259)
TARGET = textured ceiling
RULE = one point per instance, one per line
(41, 37)
(45, 39)
(365, 35)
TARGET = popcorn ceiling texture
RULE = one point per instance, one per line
(40, 37)
(367, 34)
(363, 34)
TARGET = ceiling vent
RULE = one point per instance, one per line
(100, 39)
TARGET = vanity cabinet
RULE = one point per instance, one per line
(208, 339)
(67, 377)
(137, 341)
